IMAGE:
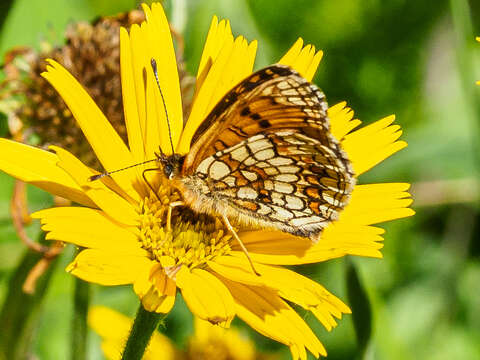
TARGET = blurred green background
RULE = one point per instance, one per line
(416, 59)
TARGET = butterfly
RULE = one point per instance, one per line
(265, 158)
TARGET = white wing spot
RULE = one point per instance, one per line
(278, 161)
(308, 220)
(218, 170)
(280, 213)
(230, 180)
(283, 188)
(270, 171)
(203, 166)
(259, 145)
(250, 176)
(247, 193)
(293, 202)
(239, 154)
(277, 199)
(288, 169)
(286, 178)
(265, 154)
(264, 210)
(250, 161)
(268, 185)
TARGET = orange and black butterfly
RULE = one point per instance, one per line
(265, 157)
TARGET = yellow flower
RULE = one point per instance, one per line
(208, 341)
(122, 224)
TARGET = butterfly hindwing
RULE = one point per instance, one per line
(266, 153)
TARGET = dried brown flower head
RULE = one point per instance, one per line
(92, 55)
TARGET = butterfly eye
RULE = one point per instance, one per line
(168, 170)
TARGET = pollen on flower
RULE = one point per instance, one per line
(193, 238)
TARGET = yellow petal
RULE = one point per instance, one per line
(289, 285)
(218, 35)
(268, 314)
(376, 203)
(211, 339)
(337, 240)
(139, 63)
(231, 61)
(129, 96)
(89, 228)
(304, 60)
(106, 143)
(271, 242)
(155, 290)
(160, 48)
(104, 268)
(292, 54)
(341, 120)
(109, 324)
(39, 167)
(206, 296)
(372, 144)
(114, 205)
(153, 124)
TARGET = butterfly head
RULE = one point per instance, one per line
(171, 164)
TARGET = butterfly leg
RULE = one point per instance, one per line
(169, 213)
(148, 183)
(240, 242)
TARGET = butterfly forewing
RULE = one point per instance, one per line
(266, 154)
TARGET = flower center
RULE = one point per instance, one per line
(193, 238)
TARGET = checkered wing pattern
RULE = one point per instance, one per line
(266, 152)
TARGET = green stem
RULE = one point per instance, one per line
(142, 329)
(81, 301)
(20, 311)
(361, 308)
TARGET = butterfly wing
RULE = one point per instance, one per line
(265, 155)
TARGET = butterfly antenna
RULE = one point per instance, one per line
(155, 72)
(108, 173)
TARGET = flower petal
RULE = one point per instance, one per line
(336, 241)
(129, 96)
(39, 167)
(118, 324)
(210, 340)
(155, 289)
(372, 144)
(89, 228)
(270, 242)
(232, 63)
(268, 314)
(341, 122)
(104, 268)
(114, 205)
(206, 296)
(376, 203)
(160, 47)
(304, 60)
(106, 143)
(218, 35)
(289, 285)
